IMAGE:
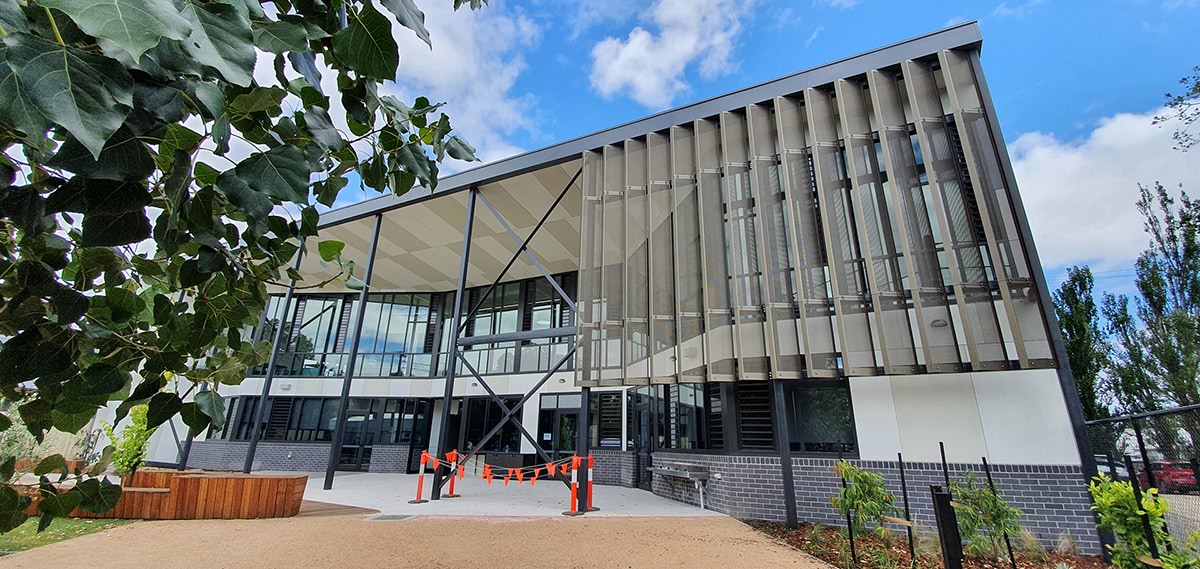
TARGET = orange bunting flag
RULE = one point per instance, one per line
(452, 456)
(575, 460)
(520, 476)
(565, 468)
(508, 477)
(591, 461)
(424, 457)
(462, 472)
(533, 481)
(487, 471)
(435, 462)
(550, 469)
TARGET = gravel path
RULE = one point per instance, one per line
(335, 536)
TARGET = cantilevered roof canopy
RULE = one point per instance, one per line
(420, 244)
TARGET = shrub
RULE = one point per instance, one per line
(984, 518)
(1120, 513)
(1032, 547)
(131, 443)
(865, 498)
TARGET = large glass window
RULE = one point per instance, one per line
(315, 419)
(481, 415)
(820, 417)
(605, 416)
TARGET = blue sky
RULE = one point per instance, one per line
(1076, 85)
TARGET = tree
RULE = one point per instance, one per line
(1087, 352)
(1156, 362)
(153, 182)
(1185, 108)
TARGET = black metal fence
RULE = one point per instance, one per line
(1159, 449)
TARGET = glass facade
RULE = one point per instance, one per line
(407, 334)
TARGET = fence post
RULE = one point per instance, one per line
(945, 467)
(1151, 482)
(987, 469)
(947, 523)
(850, 528)
(1137, 497)
(912, 550)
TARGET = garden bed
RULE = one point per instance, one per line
(831, 545)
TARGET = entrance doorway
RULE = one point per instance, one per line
(558, 424)
(641, 409)
(363, 418)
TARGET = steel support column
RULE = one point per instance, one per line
(456, 330)
(784, 440)
(186, 450)
(260, 409)
(339, 431)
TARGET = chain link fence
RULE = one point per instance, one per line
(1159, 449)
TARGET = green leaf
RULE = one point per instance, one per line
(135, 25)
(211, 404)
(460, 149)
(9, 467)
(50, 464)
(414, 160)
(12, 509)
(305, 63)
(176, 137)
(17, 111)
(255, 204)
(280, 36)
(71, 422)
(409, 16)
(69, 306)
(12, 19)
(163, 405)
(115, 213)
(123, 304)
(258, 99)
(206, 175)
(124, 157)
(194, 418)
(320, 126)
(89, 95)
(98, 495)
(329, 188)
(5, 424)
(221, 38)
(330, 250)
(55, 504)
(366, 45)
(281, 173)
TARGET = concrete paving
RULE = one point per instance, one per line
(390, 493)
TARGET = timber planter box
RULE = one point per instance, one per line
(156, 494)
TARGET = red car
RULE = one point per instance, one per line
(1170, 477)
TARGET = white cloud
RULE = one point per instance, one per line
(1080, 195)
(1004, 10)
(813, 36)
(473, 66)
(591, 13)
(649, 67)
(843, 4)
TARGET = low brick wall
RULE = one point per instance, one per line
(270, 455)
(1053, 498)
(614, 467)
(389, 458)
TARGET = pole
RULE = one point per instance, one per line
(456, 331)
(260, 409)
(1137, 498)
(187, 443)
(339, 431)
(1151, 482)
(912, 550)
(945, 467)
(784, 438)
(987, 469)
(582, 440)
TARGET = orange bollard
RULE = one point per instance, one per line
(591, 482)
(574, 487)
(452, 456)
(421, 479)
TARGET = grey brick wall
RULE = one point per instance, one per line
(273, 455)
(389, 458)
(614, 467)
(1053, 498)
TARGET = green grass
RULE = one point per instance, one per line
(62, 529)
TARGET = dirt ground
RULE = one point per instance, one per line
(336, 536)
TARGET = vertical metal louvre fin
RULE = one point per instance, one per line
(741, 238)
(613, 286)
(589, 300)
(846, 264)
(689, 258)
(719, 321)
(815, 309)
(873, 217)
(660, 230)
(637, 267)
(1023, 307)
(958, 217)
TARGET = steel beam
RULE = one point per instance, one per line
(260, 409)
(517, 336)
(532, 258)
(784, 440)
(448, 394)
(339, 431)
